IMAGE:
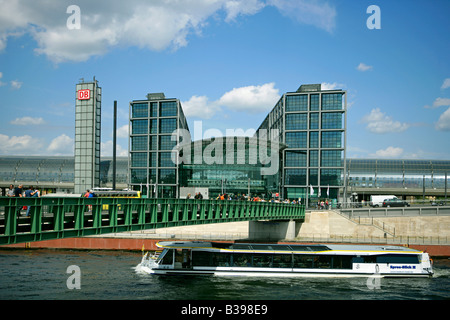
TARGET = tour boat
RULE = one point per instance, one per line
(288, 260)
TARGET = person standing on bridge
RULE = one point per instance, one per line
(11, 191)
(18, 193)
(28, 194)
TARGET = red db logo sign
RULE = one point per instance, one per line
(84, 94)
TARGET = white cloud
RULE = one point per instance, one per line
(200, 106)
(332, 86)
(252, 99)
(1, 76)
(364, 67)
(107, 150)
(154, 25)
(379, 122)
(312, 12)
(27, 121)
(443, 123)
(20, 145)
(16, 85)
(389, 152)
(122, 132)
(446, 84)
(235, 8)
(439, 102)
(61, 145)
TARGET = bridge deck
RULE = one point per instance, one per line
(63, 217)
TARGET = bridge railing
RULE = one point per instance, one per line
(65, 217)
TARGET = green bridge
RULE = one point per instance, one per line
(66, 217)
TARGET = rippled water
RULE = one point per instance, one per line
(107, 275)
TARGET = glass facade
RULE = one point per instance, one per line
(311, 162)
(403, 176)
(312, 123)
(152, 162)
(235, 170)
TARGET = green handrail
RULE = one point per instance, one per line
(65, 217)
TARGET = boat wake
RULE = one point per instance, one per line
(147, 263)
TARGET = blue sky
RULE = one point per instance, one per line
(228, 62)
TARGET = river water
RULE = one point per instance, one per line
(112, 275)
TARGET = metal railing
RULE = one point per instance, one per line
(64, 217)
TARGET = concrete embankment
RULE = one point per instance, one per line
(138, 244)
(430, 234)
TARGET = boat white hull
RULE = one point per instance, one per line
(267, 272)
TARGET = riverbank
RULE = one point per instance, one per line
(138, 244)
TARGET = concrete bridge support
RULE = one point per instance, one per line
(273, 230)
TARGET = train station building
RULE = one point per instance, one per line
(298, 152)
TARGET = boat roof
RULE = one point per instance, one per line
(282, 247)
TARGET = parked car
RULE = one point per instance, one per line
(395, 202)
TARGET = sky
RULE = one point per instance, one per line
(229, 62)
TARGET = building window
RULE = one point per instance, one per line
(297, 103)
(296, 121)
(139, 126)
(154, 126)
(331, 158)
(138, 175)
(314, 103)
(314, 139)
(167, 176)
(314, 121)
(152, 175)
(152, 159)
(139, 159)
(166, 143)
(314, 177)
(139, 143)
(331, 120)
(165, 159)
(168, 109)
(168, 125)
(331, 139)
(332, 101)
(296, 139)
(314, 158)
(330, 177)
(295, 176)
(153, 143)
(153, 109)
(295, 159)
(140, 110)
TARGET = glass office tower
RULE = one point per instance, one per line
(87, 135)
(152, 159)
(312, 124)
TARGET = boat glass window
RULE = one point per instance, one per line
(167, 256)
(322, 262)
(262, 260)
(202, 258)
(262, 247)
(397, 258)
(242, 260)
(282, 261)
(342, 262)
(282, 247)
(303, 261)
(241, 246)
